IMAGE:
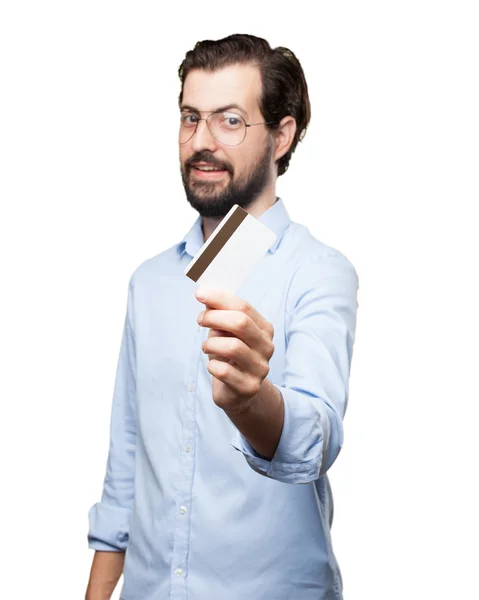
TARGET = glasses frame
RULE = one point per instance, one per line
(218, 112)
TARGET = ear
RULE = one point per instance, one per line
(284, 136)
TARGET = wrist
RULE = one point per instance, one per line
(97, 594)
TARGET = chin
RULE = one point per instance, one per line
(208, 189)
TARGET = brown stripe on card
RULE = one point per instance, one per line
(217, 243)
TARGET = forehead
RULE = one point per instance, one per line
(235, 84)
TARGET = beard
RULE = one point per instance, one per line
(209, 201)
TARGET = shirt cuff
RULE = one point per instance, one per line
(108, 527)
(298, 456)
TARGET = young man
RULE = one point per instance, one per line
(223, 429)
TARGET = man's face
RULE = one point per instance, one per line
(246, 168)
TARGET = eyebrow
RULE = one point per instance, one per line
(220, 109)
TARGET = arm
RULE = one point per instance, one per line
(106, 570)
(109, 519)
(320, 330)
(261, 423)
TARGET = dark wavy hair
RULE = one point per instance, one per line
(284, 88)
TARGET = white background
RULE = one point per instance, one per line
(387, 173)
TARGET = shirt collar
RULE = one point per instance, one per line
(275, 218)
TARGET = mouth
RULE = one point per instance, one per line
(207, 171)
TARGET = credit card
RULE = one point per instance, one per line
(231, 252)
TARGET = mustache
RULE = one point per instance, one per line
(209, 158)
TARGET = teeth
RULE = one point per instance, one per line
(208, 169)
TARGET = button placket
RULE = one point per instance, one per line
(185, 483)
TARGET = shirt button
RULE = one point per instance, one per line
(187, 448)
(183, 509)
(179, 572)
(191, 387)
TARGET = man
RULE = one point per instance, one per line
(227, 409)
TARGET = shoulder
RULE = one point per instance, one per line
(151, 269)
(320, 266)
(313, 253)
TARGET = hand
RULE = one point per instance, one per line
(239, 347)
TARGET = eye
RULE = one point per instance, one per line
(189, 119)
(231, 121)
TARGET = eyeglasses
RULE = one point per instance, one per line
(227, 128)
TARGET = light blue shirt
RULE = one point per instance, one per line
(200, 513)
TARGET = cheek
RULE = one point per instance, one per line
(241, 163)
(253, 150)
(183, 154)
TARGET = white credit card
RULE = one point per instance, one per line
(231, 252)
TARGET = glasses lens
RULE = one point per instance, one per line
(188, 124)
(227, 127)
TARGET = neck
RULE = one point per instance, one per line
(255, 209)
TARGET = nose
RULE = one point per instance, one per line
(203, 139)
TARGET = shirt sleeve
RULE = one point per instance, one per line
(109, 518)
(320, 325)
